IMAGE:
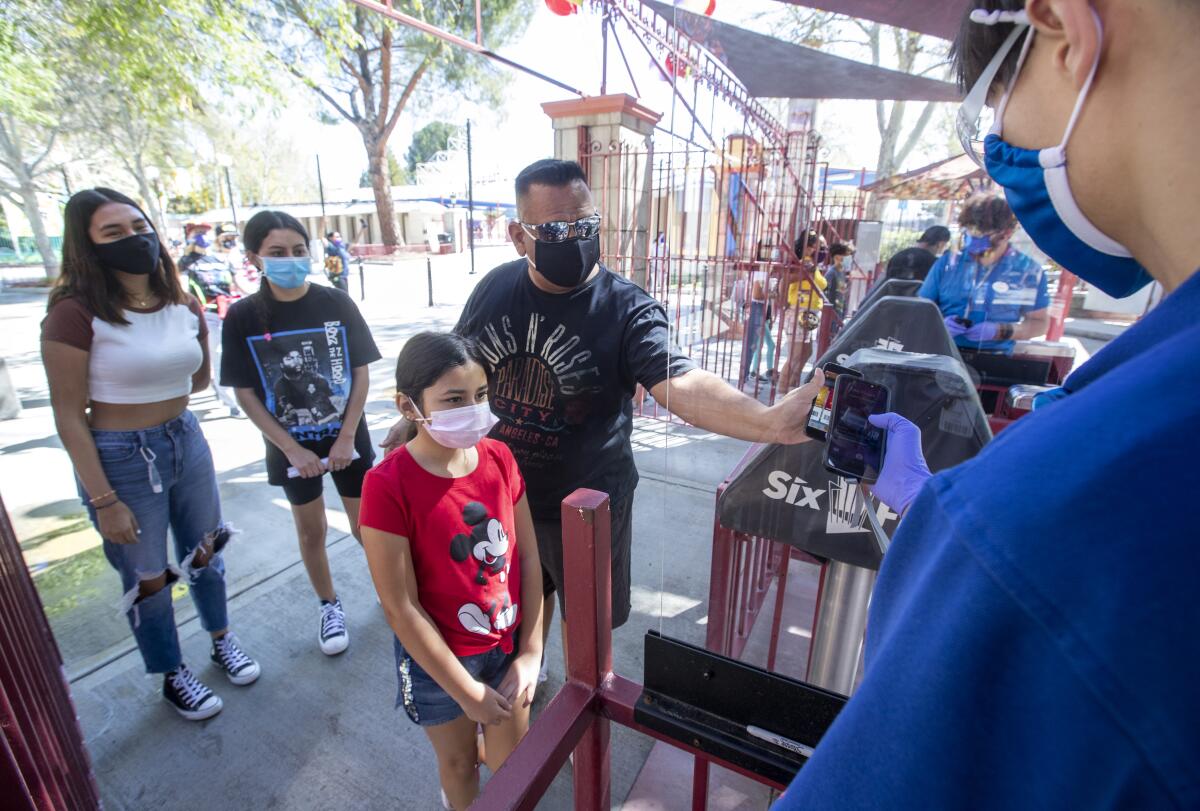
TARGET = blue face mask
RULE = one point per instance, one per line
(976, 245)
(288, 272)
(1035, 180)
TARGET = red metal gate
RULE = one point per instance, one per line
(43, 764)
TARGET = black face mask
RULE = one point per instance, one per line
(567, 263)
(137, 254)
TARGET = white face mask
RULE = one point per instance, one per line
(460, 427)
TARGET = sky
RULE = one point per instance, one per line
(569, 48)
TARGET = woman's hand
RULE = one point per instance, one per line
(790, 415)
(520, 682)
(342, 452)
(904, 470)
(307, 463)
(487, 706)
(117, 524)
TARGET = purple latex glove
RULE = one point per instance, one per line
(904, 469)
(983, 331)
(953, 327)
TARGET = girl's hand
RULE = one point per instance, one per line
(487, 707)
(117, 524)
(307, 463)
(342, 452)
(520, 682)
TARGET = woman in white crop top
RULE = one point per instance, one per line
(123, 347)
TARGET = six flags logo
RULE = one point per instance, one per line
(845, 511)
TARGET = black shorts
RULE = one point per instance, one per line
(550, 549)
(348, 481)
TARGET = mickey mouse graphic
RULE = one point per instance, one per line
(488, 545)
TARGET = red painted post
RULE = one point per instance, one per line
(1060, 308)
(587, 565)
(700, 784)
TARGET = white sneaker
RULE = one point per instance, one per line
(189, 696)
(333, 636)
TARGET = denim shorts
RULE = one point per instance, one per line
(426, 703)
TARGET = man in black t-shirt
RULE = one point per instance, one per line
(915, 262)
(566, 343)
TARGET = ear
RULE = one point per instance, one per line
(406, 407)
(1072, 26)
(516, 235)
(460, 548)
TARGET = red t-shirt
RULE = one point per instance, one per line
(463, 538)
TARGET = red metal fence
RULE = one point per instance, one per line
(710, 233)
(43, 764)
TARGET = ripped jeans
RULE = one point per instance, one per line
(165, 476)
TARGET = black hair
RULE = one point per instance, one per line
(549, 172)
(425, 358)
(935, 234)
(987, 211)
(255, 233)
(83, 277)
(976, 44)
(811, 239)
(841, 249)
(329, 234)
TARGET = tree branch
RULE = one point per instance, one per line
(385, 74)
(915, 134)
(413, 81)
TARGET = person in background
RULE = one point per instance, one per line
(297, 354)
(124, 346)
(196, 246)
(915, 262)
(337, 261)
(1031, 640)
(803, 314)
(837, 278)
(991, 294)
(450, 540)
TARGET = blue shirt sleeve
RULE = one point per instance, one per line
(933, 281)
(966, 701)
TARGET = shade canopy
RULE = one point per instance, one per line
(771, 68)
(949, 179)
(941, 18)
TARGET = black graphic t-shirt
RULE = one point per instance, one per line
(562, 370)
(299, 362)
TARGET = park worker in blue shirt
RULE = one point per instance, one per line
(990, 293)
(1032, 634)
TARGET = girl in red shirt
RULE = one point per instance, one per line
(449, 539)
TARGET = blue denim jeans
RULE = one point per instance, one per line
(165, 476)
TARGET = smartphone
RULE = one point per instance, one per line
(855, 448)
(818, 418)
(963, 322)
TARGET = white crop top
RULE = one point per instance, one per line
(148, 360)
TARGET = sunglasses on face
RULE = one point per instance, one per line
(561, 230)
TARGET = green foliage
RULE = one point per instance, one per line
(428, 141)
(201, 199)
(896, 240)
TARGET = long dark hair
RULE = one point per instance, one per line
(257, 228)
(83, 277)
(425, 358)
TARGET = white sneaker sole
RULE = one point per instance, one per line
(207, 710)
(335, 644)
(247, 676)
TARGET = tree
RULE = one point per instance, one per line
(368, 69)
(895, 48)
(122, 72)
(428, 141)
(30, 129)
(397, 174)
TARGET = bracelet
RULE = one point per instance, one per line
(106, 506)
(101, 497)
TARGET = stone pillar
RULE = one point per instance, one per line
(610, 136)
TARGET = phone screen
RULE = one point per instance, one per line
(818, 418)
(855, 446)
